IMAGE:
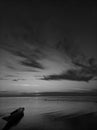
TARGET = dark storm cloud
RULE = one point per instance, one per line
(70, 75)
(29, 53)
(32, 63)
(18, 79)
(83, 73)
(30, 58)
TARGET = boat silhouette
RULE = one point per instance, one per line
(14, 118)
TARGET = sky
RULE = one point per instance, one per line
(48, 46)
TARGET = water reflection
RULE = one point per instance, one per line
(46, 113)
(79, 121)
(56, 121)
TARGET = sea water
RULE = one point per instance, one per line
(45, 113)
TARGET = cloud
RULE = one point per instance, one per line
(4, 79)
(21, 34)
(84, 73)
(67, 76)
(32, 63)
(9, 75)
(11, 67)
(30, 57)
(18, 79)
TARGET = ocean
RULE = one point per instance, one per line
(50, 113)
